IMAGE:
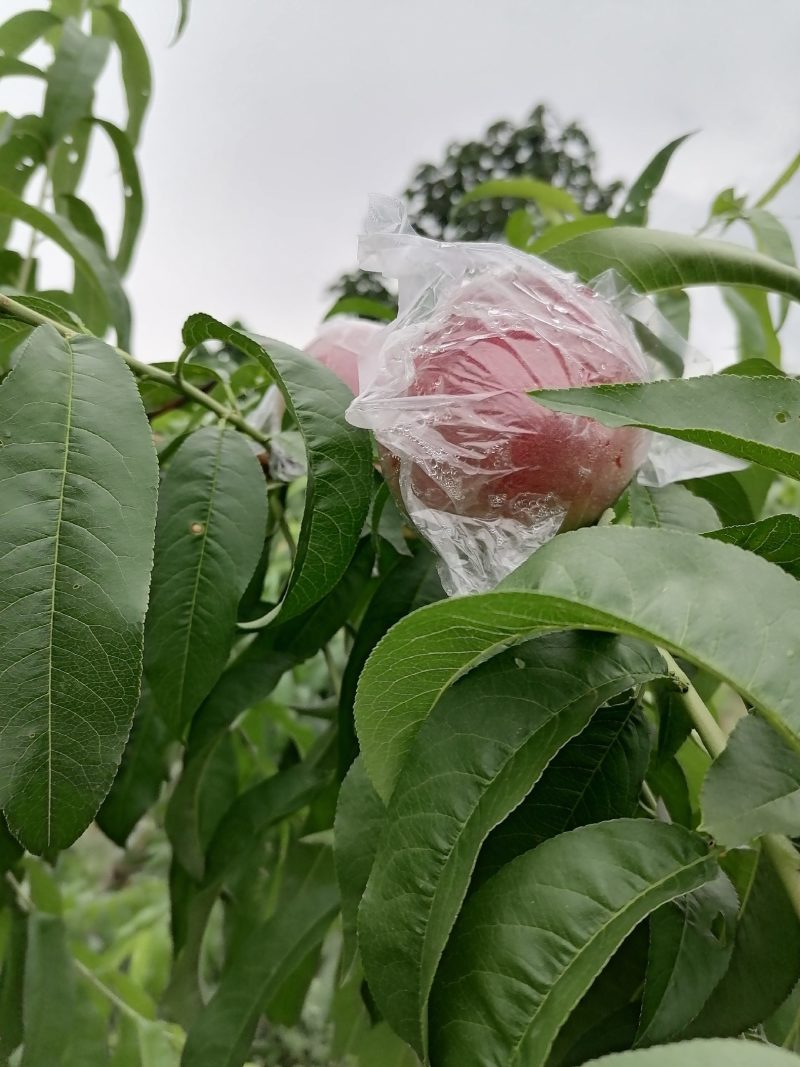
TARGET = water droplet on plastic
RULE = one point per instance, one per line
(72, 156)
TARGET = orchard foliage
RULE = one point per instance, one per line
(268, 796)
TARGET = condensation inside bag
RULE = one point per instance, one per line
(485, 474)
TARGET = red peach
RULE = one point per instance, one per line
(338, 345)
(481, 448)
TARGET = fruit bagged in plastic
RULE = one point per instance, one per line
(340, 342)
(484, 473)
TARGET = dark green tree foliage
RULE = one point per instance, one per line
(540, 147)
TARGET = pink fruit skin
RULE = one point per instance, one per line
(502, 455)
(339, 344)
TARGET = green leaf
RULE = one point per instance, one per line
(143, 770)
(70, 158)
(339, 460)
(772, 237)
(752, 787)
(614, 997)
(363, 307)
(475, 759)
(359, 819)
(543, 194)
(691, 943)
(88, 1042)
(212, 517)
(93, 309)
(24, 29)
(255, 811)
(609, 578)
(135, 64)
(596, 776)
(566, 231)
(776, 539)
(756, 333)
(206, 788)
(718, 1053)
(70, 80)
(49, 992)
(652, 260)
(783, 1027)
(634, 211)
(251, 677)
(10, 68)
(22, 151)
(765, 964)
(756, 419)
(158, 1046)
(676, 307)
(53, 311)
(529, 943)
(12, 982)
(727, 495)
(12, 336)
(755, 368)
(132, 194)
(519, 228)
(222, 1034)
(411, 584)
(783, 179)
(89, 259)
(183, 19)
(671, 507)
(78, 471)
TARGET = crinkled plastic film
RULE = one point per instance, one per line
(485, 474)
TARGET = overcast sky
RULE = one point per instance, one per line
(273, 120)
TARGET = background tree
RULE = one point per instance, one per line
(540, 147)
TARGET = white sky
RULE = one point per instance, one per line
(273, 120)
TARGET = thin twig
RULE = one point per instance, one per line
(142, 370)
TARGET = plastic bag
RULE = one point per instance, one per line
(486, 475)
(340, 343)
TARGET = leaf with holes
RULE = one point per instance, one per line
(78, 474)
(756, 419)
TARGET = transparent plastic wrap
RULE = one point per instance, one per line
(485, 474)
(341, 343)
